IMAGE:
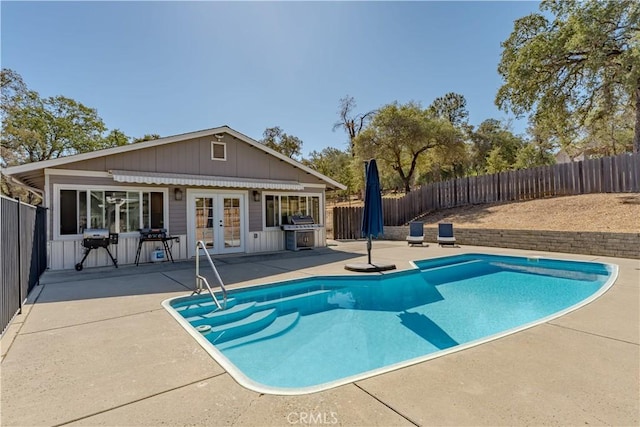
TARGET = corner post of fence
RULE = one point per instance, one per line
(36, 239)
(19, 260)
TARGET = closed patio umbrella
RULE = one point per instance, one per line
(372, 221)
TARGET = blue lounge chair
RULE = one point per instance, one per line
(445, 234)
(416, 234)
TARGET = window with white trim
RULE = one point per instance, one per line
(218, 151)
(278, 207)
(131, 210)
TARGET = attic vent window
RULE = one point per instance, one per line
(218, 151)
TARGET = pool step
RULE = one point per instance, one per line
(201, 305)
(265, 294)
(246, 326)
(306, 303)
(455, 272)
(279, 326)
(232, 314)
(247, 321)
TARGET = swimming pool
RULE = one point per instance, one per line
(311, 334)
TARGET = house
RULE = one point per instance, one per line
(215, 185)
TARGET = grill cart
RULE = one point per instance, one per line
(94, 238)
(155, 235)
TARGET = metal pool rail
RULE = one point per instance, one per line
(201, 279)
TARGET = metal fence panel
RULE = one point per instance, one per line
(23, 256)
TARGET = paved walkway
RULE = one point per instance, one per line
(96, 348)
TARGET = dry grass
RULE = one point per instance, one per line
(589, 212)
(618, 212)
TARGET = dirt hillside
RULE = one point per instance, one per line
(618, 212)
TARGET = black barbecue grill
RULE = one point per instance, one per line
(154, 235)
(94, 238)
(299, 232)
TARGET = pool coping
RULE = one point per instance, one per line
(250, 384)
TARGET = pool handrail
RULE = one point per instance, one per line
(200, 279)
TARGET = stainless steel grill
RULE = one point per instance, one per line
(95, 238)
(300, 222)
(299, 232)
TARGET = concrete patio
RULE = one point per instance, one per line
(96, 348)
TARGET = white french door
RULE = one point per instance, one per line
(216, 218)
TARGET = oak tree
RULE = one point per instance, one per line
(276, 139)
(36, 128)
(400, 134)
(574, 63)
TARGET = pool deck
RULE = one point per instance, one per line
(96, 348)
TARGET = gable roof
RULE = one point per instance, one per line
(41, 165)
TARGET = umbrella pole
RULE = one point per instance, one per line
(369, 248)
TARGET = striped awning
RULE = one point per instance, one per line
(202, 180)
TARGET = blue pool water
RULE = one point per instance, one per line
(310, 334)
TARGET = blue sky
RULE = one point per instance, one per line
(175, 67)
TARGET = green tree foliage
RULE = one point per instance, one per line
(35, 128)
(116, 138)
(14, 97)
(352, 123)
(496, 161)
(453, 161)
(576, 65)
(532, 155)
(492, 136)
(451, 107)
(335, 164)
(276, 139)
(400, 134)
(54, 127)
(13, 92)
(443, 163)
(147, 137)
(609, 133)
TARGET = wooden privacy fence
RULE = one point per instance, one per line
(616, 174)
(23, 254)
